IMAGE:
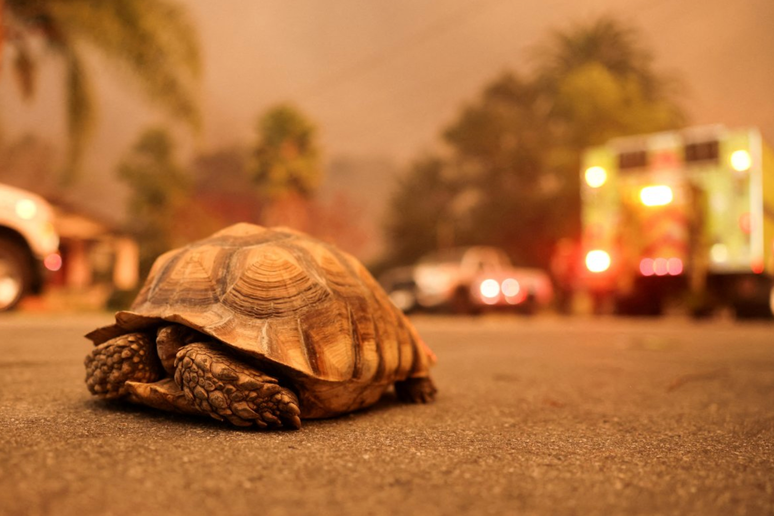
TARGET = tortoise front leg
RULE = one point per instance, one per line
(130, 357)
(225, 388)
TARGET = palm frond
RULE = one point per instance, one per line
(24, 71)
(153, 39)
(80, 114)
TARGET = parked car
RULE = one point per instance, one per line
(28, 244)
(400, 286)
(467, 279)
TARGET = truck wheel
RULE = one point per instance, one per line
(15, 274)
(752, 311)
(461, 303)
(640, 305)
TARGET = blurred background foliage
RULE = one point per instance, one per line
(509, 174)
(506, 172)
(160, 198)
(287, 158)
(151, 42)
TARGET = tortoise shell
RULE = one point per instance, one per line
(307, 308)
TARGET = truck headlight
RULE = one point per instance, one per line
(595, 176)
(597, 260)
(26, 209)
(741, 160)
(659, 195)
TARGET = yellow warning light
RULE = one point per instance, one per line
(595, 176)
(659, 195)
(597, 260)
(741, 160)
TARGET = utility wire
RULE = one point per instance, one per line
(464, 15)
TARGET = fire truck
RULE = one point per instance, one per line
(680, 218)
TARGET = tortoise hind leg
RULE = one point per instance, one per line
(416, 390)
(164, 394)
(129, 357)
(225, 388)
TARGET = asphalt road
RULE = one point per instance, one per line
(535, 416)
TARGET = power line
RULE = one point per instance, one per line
(455, 20)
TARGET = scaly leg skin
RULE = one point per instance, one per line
(225, 388)
(416, 390)
(169, 340)
(129, 357)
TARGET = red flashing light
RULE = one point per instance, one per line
(675, 266)
(757, 267)
(661, 266)
(53, 262)
(744, 223)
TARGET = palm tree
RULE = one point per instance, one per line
(605, 41)
(151, 39)
(599, 81)
(602, 82)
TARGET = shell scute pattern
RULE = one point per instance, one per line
(282, 296)
(269, 282)
(361, 329)
(188, 279)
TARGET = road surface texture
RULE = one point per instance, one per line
(535, 416)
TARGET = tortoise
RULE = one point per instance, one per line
(263, 327)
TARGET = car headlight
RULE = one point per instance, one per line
(489, 288)
(511, 287)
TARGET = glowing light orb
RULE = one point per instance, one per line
(26, 209)
(595, 176)
(510, 287)
(597, 261)
(489, 288)
(53, 262)
(660, 195)
(741, 160)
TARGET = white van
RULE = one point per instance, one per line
(28, 244)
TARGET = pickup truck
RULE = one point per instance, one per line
(28, 244)
(468, 279)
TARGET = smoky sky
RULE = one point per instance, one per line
(384, 77)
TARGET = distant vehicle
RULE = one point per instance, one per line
(400, 286)
(28, 244)
(467, 279)
(684, 215)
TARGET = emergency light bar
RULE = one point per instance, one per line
(660, 195)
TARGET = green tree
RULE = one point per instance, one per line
(151, 39)
(518, 145)
(287, 159)
(286, 166)
(419, 211)
(159, 202)
(502, 139)
(602, 82)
